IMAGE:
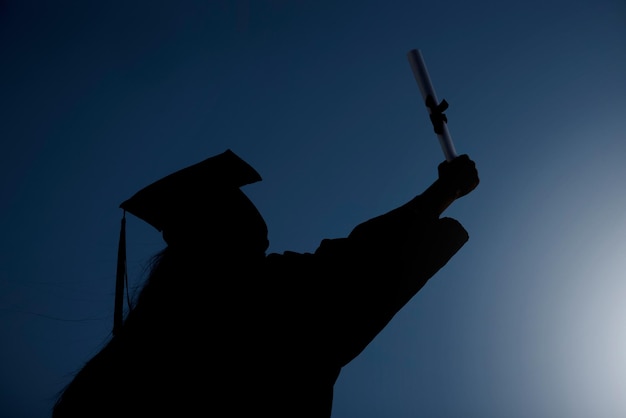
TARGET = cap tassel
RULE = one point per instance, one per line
(120, 280)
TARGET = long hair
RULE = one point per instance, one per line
(93, 389)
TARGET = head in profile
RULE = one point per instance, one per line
(202, 206)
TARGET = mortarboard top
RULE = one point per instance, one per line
(175, 194)
(182, 196)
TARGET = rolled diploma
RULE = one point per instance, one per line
(426, 88)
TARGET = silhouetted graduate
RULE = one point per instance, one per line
(222, 329)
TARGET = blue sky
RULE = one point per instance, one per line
(527, 320)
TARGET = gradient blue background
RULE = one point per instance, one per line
(99, 99)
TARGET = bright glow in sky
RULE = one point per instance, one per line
(527, 320)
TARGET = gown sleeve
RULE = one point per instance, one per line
(370, 275)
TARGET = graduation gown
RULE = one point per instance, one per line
(265, 336)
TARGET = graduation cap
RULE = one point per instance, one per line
(182, 203)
